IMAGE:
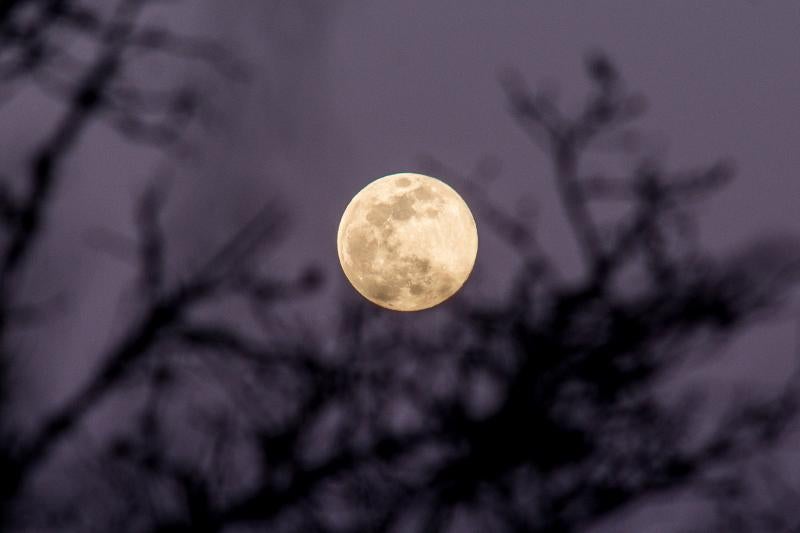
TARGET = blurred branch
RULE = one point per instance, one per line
(98, 92)
(165, 313)
(151, 248)
(27, 47)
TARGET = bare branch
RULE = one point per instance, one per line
(151, 247)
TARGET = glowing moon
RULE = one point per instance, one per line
(407, 242)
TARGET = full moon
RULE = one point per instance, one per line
(407, 242)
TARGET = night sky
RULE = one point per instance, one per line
(342, 93)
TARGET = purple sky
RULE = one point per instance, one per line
(367, 87)
(342, 93)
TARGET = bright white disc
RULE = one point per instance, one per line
(407, 242)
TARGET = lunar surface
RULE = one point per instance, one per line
(407, 242)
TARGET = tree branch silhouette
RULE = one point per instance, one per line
(24, 41)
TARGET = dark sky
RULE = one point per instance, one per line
(373, 85)
(344, 92)
(723, 79)
(364, 88)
